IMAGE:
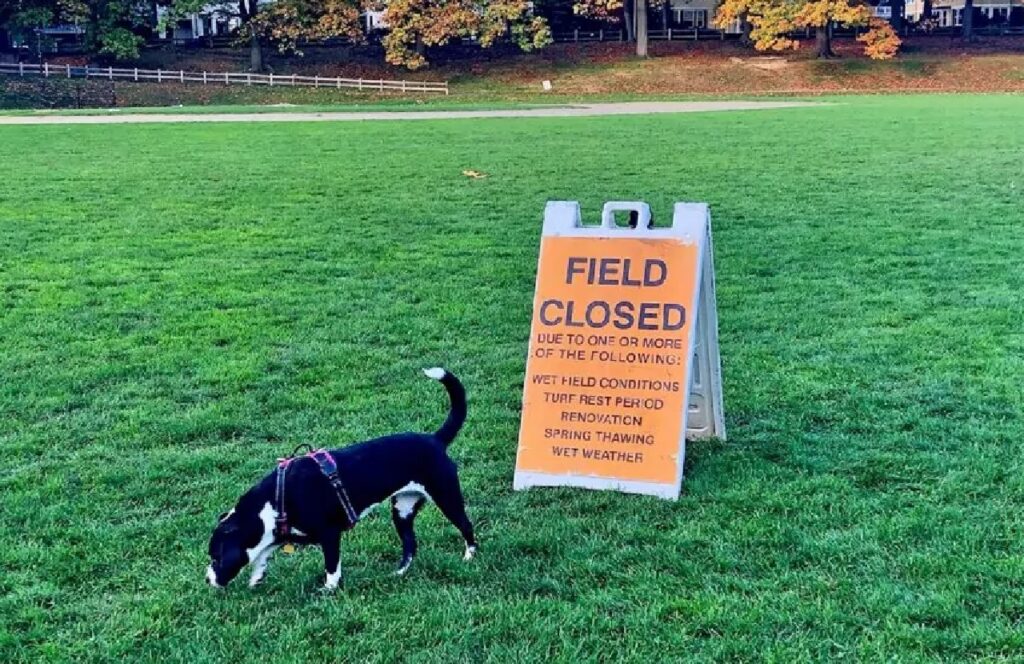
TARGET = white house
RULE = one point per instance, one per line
(693, 13)
(949, 13)
(210, 21)
(220, 18)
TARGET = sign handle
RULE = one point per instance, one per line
(611, 207)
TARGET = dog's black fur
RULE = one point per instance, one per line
(372, 472)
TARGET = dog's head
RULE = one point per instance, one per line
(235, 542)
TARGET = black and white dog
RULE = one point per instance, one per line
(313, 499)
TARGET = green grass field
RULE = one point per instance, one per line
(181, 304)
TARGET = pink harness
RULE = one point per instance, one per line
(329, 468)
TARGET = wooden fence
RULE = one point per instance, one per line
(694, 34)
(220, 78)
(671, 34)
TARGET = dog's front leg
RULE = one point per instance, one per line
(331, 544)
(259, 565)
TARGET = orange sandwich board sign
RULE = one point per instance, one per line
(623, 364)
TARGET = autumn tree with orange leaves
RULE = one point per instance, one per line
(773, 21)
(414, 25)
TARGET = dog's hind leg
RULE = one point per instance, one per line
(404, 508)
(447, 495)
(330, 542)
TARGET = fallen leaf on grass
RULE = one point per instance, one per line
(476, 175)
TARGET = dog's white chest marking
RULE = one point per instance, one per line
(405, 499)
(267, 516)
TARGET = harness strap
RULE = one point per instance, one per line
(329, 468)
(281, 528)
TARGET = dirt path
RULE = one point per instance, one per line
(580, 110)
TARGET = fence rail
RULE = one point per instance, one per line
(694, 34)
(221, 78)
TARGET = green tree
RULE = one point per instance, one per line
(284, 22)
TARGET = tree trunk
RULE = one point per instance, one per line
(664, 15)
(823, 39)
(627, 18)
(641, 28)
(926, 10)
(968, 20)
(746, 27)
(255, 54)
(899, 11)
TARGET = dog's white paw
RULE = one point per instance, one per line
(470, 552)
(333, 578)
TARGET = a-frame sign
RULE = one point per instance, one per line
(623, 361)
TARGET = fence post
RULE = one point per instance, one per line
(136, 73)
(316, 80)
(46, 69)
(360, 84)
(670, 34)
(338, 81)
(204, 78)
(227, 81)
(293, 80)
(600, 35)
(69, 71)
(695, 37)
(271, 79)
(159, 76)
(181, 75)
(110, 73)
(380, 82)
(21, 68)
(403, 85)
(248, 79)
(576, 34)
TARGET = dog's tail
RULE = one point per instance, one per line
(457, 415)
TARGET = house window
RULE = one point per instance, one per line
(692, 18)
